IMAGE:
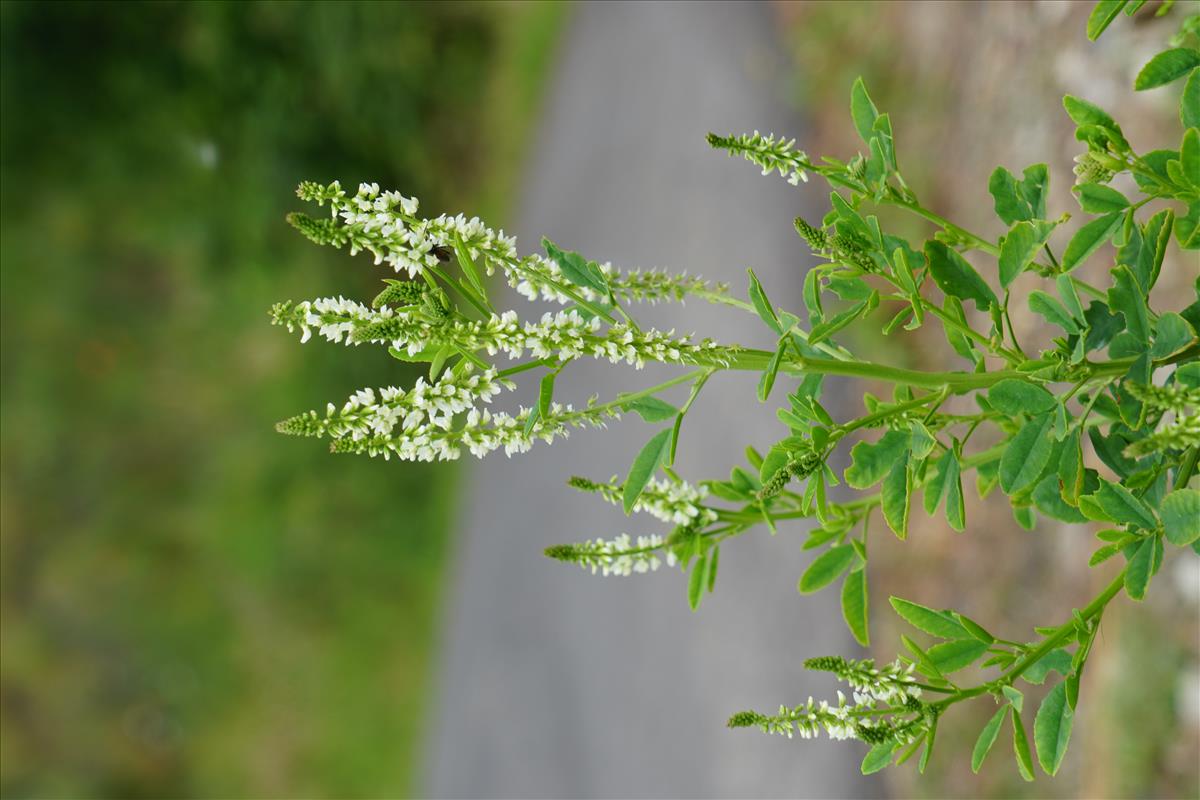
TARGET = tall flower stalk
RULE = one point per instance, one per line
(1099, 426)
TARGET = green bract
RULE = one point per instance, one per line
(1101, 425)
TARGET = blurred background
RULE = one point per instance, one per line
(192, 606)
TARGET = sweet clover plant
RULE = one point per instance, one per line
(1102, 425)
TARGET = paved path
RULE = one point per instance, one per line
(555, 683)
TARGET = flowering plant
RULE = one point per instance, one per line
(1068, 431)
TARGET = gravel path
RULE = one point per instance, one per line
(554, 683)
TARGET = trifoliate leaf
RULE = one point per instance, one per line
(937, 623)
(1027, 454)
(956, 277)
(826, 569)
(987, 737)
(1052, 729)
(1165, 67)
(854, 605)
(1013, 396)
(871, 461)
(644, 466)
(1180, 511)
(1089, 238)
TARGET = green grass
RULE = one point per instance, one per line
(191, 604)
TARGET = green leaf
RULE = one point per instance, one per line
(1126, 297)
(1096, 198)
(1027, 454)
(879, 756)
(1015, 697)
(896, 497)
(955, 655)
(1046, 306)
(862, 110)
(1034, 187)
(767, 381)
(1013, 396)
(1103, 13)
(937, 623)
(1089, 238)
(1180, 511)
(854, 605)
(1018, 250)
(987, 738)
(1058, 660)
(696, 581)
(1121, 506)
(1189, 156)
(577, 269)
(922, 440)
(644, 466)
(1189, 103)
(1066, 290)
(763, 306)
(1082, 112)
(871, 461)
(1167, 66)
(956, 277)
(1007, 197)
(1052, 729)
(975, 629)
(1049, 500)
(946, 483)
(1140, 568)
(1170, 334)
(651, 409)
(827, 568)
(546, 394)
(1021, 748)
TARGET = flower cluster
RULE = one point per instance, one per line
(677, 502)
(426, 406)
(807, 720)
(538, 277)
(385, 224)
(620, 556)
(481, 432)
(564, 335)
(891, 683)
(767, 152)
